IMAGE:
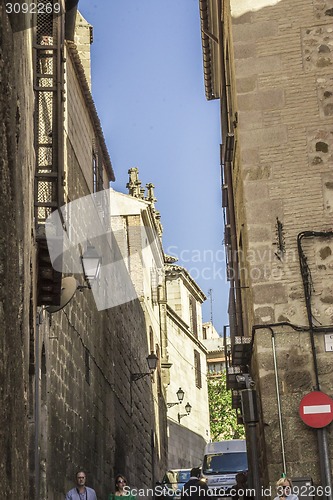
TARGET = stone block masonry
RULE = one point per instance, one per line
(282, 73)
(16, 256)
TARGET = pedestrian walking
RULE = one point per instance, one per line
(240, 490)
(121, 489)
(195, 488)
(81, 491)
(284, 488)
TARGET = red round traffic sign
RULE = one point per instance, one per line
(316, 409)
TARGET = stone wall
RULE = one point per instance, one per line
(96, 417)
(81, 409)
(185, 440)
(16, 254)
(282, 75)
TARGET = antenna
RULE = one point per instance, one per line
(210, 295)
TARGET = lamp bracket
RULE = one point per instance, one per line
(82, 287)
(169, 405)
(137, 376)
(181, 415)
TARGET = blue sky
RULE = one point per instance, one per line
(147, 83)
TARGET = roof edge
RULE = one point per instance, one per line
(206, 50)
(79, 70)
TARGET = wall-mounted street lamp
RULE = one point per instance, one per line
(180, 395)
(188, 409)
(91, 265)
(152, 363)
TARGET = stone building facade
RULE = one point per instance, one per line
(16, 252)
(95, 415)
(216, 346)
(187, 434)
(270, 64)
(68, 399)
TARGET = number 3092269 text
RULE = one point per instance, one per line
(33, 8)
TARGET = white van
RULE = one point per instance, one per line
(222, 461)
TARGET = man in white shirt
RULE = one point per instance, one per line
(81, 491)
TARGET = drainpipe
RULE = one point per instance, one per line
(228, 140)
(251, 418)
(39, 321)
(308, 305)
(324, 458)
(276, 377)
(152, 447)
(325, 470)
(278, 402)
(236, 278)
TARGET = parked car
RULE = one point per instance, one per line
(173, 482)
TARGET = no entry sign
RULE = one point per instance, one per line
(316, 409)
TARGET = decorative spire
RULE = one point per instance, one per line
(150, 194)
(134, 184)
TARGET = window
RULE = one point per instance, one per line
(197, 369)
(97, 171)
(151, 339)
(223, 463)
(216, 367)
(193, 316)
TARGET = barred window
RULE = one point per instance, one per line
(97, 171)
(193, 316)
(197, 369)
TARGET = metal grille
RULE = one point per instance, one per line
(49, 115)
(47, 120)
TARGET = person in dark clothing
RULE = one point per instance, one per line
(240, 490)
(195, 488)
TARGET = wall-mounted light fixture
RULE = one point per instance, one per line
(152, 363)
(180, 395)
(244, 381)
(91, 265)
(188, 409)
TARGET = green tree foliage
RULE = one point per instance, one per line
(223, 419)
